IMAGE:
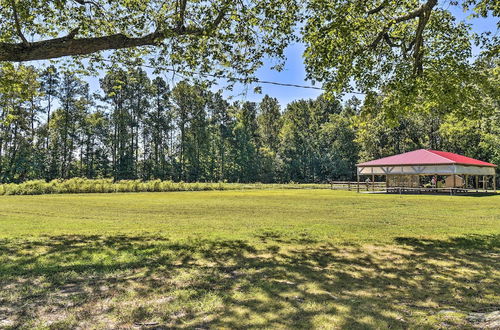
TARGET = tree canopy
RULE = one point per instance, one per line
(349, 44)
(217, 36)
(369, 44)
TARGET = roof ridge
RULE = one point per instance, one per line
(426, 156)
(435, 154)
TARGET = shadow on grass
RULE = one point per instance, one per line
(464, 194)
(479, 194)
(152, 282)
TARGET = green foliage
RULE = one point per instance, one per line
(246, 143)
(82, 185)
(339, 149)
(270, 122)
(18, 119)
(142, 129)
(380, 57)
(467, 124)
(415, 54)
(309, 141)
(217, 37)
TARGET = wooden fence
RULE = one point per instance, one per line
(381, 186)
(352, 186)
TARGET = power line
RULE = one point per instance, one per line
(241, 80)
(287, 84)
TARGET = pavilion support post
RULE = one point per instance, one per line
(495, 183)
(484, 183)
(454, 181)
(358, 183)
(477, 182)
(466, 181)
(386, 182)
(373, 182)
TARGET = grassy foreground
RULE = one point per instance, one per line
(243, 259)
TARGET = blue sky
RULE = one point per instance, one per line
(294, 70)
(294, 73)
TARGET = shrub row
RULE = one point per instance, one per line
(82, 185)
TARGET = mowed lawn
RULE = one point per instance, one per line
(243, 259)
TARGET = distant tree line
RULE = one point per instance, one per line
(134, 127)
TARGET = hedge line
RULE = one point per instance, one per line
(82, 185)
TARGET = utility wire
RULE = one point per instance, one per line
(241, 80)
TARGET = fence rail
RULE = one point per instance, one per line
(381, 186)
(352, 185)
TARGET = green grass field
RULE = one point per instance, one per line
(243, 259)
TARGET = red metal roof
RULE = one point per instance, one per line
(426, 157)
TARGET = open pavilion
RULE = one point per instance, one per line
(404, 172)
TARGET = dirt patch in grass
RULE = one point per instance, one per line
(150, 281)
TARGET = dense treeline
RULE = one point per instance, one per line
(53, 127)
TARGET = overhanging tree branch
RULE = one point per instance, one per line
(427, 7)
(423, 14)
(419, 42)
(17, 24)
(69, 46)
(91, 3)
(182, 13)
(218, 19)
(389, 41)
(378, 8)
